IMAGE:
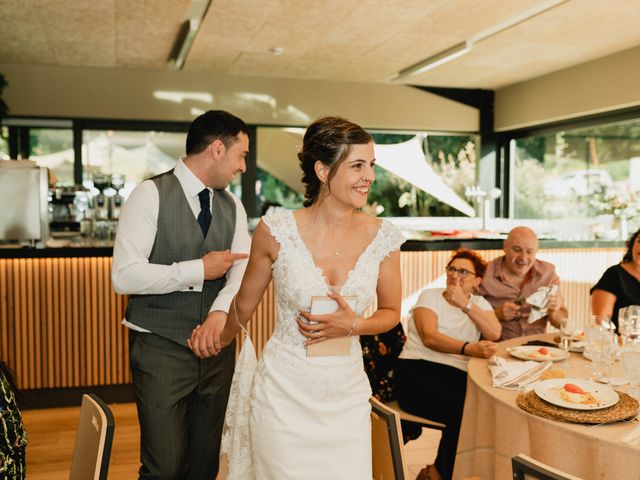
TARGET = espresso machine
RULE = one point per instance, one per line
(67, 206)
(23, 196)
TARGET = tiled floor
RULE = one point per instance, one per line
(421, 451)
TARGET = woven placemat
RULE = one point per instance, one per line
(626, 408)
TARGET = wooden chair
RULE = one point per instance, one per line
(526, 467)
(408, 417)
(93, 440)
(386, 443)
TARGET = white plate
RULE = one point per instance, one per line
(551, 391)
(531, 352)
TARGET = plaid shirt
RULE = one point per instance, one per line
(497, 290)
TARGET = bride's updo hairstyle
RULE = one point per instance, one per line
(328, 140)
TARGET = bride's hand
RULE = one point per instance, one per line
(330, 325)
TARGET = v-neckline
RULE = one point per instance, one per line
(319, 270)
(629, 273)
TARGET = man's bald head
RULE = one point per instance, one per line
(521, 234)
(520, 249)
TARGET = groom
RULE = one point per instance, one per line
(173, 256)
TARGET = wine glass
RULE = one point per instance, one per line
(101, 181)
(567, 331)
(630, 363)
(117, 182)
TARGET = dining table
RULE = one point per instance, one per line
(494, 428)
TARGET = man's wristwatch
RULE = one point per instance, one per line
(467, 307)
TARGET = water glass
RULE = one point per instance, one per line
(630, 363)
(632, 324)
(623, 323)
(601, 348)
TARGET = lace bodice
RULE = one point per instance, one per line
(297, 278)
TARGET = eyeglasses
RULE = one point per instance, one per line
(462, 272)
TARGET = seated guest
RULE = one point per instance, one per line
(513, 277)
(619, 286)
(444, 329)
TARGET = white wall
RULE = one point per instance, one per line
(605, 84)
(129, 94)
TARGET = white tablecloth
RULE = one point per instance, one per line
(494, 429)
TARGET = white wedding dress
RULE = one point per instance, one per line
(308, 418)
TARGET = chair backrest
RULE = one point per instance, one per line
(526, 467)
(386, 443)
(408, 417)
(93, 440)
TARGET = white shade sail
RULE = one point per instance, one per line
(407, 161)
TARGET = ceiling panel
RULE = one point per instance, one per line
(146, 31)
(337, 40)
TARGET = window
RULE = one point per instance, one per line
(4, 144)
(578, 173)
(136, 155)
(273, 192)
(53, 148)
(446, 160)
(449, 160)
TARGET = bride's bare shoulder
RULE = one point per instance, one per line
(368, 220)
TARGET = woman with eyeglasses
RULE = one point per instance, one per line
(444, 330)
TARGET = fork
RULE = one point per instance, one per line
(529, 376)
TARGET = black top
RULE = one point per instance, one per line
(623, 285)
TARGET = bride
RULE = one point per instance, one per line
(309, 416)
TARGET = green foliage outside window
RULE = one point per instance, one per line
(453, 158)
(552, 172)
(273, 192)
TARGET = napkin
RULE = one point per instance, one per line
(515, 374)
(632, 437)
(538, 301)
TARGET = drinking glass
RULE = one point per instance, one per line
(101, 181)
(632, 326)
(567, 331)
(599, 337)
(607, 354)
(117, 181)
(630, 363)
(623, 324)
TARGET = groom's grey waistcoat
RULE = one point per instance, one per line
(179, 238)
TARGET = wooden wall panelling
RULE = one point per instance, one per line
(60, 320)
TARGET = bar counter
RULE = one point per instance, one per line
(60, 320)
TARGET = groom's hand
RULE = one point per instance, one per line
(205, 339)
(216, 264)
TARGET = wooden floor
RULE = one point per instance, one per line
(52, 434)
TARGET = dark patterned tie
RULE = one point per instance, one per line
(204, 218)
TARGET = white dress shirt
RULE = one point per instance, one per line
(137, 227)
